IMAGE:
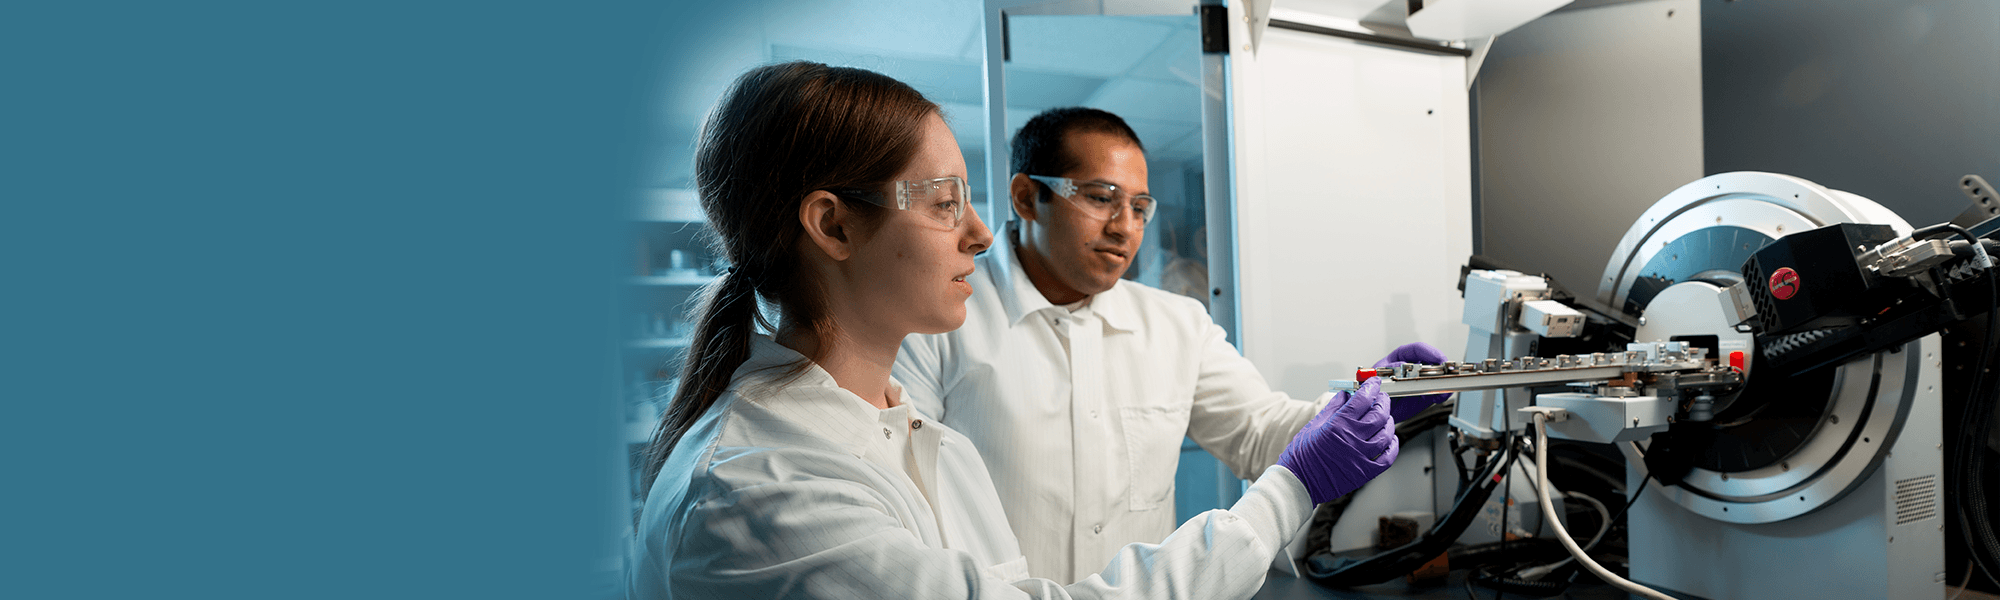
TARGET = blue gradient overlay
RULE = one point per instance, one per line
(317, 301)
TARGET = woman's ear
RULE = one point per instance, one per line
(827, 223)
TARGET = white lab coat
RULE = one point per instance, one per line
(804, 490)
(1080, 415)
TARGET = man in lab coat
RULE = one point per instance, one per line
(1076, 386)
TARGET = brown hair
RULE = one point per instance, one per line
(779, 133)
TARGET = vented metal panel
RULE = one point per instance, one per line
(1916, 499)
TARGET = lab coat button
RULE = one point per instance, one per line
(917, 424)
(1097, 529)
(885, 433)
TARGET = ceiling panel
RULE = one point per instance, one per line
(1178, 56)
(1097, 46)
(967, 122)
(1145, 69)
(1044, 90)
(1150, 99)
(1188, 146)
(1159, 137)
(939, 80)
(907, 27)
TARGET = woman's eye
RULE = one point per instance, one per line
(948, 206)
(1099, 199)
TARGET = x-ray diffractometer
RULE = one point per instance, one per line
(1764, 352)
(1810, 480)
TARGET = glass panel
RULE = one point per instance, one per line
(1146, 70)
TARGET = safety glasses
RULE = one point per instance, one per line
(1100, 200)
(943, 199)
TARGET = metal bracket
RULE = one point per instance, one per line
(1214, 28)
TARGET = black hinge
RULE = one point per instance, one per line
(1006, 43)
(1214, 28)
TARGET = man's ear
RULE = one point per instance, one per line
(828, 223)
(1024, 192)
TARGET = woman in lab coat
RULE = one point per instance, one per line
(787, 466)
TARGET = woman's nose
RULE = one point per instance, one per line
(976, 232)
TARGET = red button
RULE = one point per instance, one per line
(1736, 360)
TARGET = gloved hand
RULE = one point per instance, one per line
(1348, 443)
(1414, 352)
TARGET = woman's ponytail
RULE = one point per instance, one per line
(726, 318)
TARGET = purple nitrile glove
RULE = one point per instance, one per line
(1414, 352)
(1348, 443)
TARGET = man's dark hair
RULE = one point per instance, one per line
(1040, 148)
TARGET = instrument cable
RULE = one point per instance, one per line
(1562, 534)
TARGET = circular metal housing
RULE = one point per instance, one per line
(1787, 447)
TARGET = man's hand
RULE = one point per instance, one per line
(1415, 352)
(1348, 443)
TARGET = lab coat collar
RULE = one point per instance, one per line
(1117, 307)
(1020, 298)
(840, 416)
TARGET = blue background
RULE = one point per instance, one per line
(316, 302)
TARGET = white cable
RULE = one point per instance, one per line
(1603, 527)
(1562, 535)
(1963, 584)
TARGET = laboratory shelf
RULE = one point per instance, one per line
(657, 343)
(670, 280)
(668, 205)
(637, 432)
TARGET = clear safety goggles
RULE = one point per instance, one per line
(1100, 200)
(944, 199)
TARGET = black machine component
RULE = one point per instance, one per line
(1815, 280)
(1819, 303)
(1827, 295)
